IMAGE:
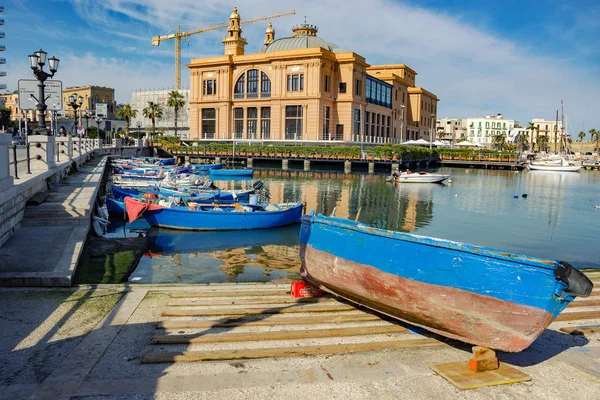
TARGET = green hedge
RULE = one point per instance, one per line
(387, 152)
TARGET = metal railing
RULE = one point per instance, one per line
(15, 162)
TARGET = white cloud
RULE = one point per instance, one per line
(473, 71)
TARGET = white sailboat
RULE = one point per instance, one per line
(562, 162)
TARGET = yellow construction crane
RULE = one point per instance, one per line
(177, 36)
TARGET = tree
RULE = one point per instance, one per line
(595, 134)
(176, 102)
(581, 136)
(127, 112)
(532, 128)
(153, 112)
(523, 141)
(462, 138)
(440, 134)
(5, 117)
(543, 142)
(499, 141)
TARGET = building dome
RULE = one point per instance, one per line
(301, 42)
(305, 37)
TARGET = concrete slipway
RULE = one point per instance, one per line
(143, 342)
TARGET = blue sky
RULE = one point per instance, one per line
(520, 58)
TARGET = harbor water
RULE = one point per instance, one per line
(545, 214)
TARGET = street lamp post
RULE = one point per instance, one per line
(87, 115)
(139, 126)
(75, 102)
(37, 61)
(98, 121)
(402, 125)
(431, 132)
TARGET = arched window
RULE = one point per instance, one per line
(265, 85)
(252, 85)
(239, 87)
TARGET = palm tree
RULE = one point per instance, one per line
(154, 112)
(543, 142)
(524, 141)
(177, 102)
(596, 134)
(127, 112)
(499, 141)
(581, 136)
(532, 128)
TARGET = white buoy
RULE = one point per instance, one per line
(449, 180)
(455, 194)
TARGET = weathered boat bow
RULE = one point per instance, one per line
(475, 294)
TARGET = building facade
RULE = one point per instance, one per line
(552, 129)
(140, 99)
(303, 88)
(2, 49)
(92, 95)
(450, 130)
(482, 130)
(11, 101)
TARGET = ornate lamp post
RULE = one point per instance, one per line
(75, 102)
(37, 61)
(98, 121)
(87, 115)
(139, 126)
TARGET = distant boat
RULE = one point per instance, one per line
(207, 167)
(475, 294)
(213, 217)
(561, 164)
(418, 177)
(231, 172)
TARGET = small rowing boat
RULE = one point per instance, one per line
(475, 294)
(214, 217)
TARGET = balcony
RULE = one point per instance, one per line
(242, 96)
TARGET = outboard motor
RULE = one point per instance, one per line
(258, 185)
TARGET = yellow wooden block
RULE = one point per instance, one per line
(460, 375)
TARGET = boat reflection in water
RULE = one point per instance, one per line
(213, 257)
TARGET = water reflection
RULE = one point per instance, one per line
(557, 220)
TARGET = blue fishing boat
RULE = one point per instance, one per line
(230, 172)
(114, 206)
(215, 217)
(475, 294)
(207, 167)
(207, 196)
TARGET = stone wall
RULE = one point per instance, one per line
(14, 194)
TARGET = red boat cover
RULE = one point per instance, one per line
(136, 208)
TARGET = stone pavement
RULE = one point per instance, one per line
(47, 355)
(46, 249)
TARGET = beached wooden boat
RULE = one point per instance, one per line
(214, 217)
(230, 172)
(475, 294)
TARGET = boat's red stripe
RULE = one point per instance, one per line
(455, 313)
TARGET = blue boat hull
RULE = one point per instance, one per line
(470, 293)
(231, 172)
(208, 167)
(208, 196)
(195, 220)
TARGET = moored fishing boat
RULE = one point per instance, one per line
(475, 294)
(207, 167)
(231, 172)
(214, 217)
